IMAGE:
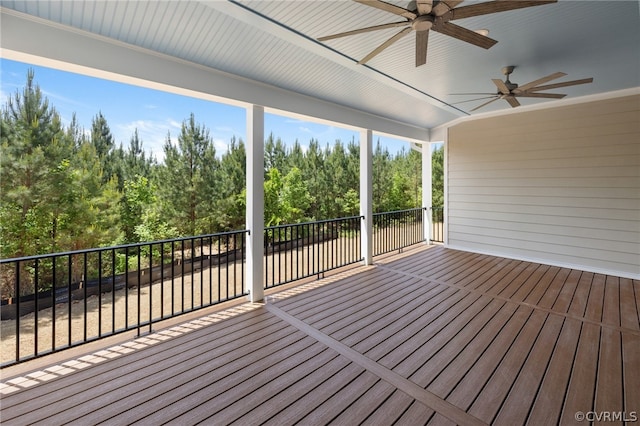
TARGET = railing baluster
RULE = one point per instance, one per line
(53, 306)
(161, 280)
(126, 288)
(68, 299)
(139, 293)
(150, 286)
(173, 275)
(219, 272)
(201, 273)
(113, 291)
(37, 307)
(84, 291)
(227, 268)
(210, 269)
(17, 296)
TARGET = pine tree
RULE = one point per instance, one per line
(437, 176)
(136, 161)
(275, 154)
(187, 181)
(382, 178)
(104, 145)
(34, 147)
(232, 184)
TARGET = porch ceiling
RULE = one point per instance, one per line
(274, 42)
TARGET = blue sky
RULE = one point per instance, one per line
(155, 113)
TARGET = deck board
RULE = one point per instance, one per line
(580, 394)
(548, 404)
(429, 336)
(628, 309)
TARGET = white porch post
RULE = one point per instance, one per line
(427, 191)
(366, 195)
(255, 202)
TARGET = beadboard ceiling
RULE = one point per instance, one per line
(275, 43)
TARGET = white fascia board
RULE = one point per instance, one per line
(34, 40)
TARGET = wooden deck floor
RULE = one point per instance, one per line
(431, 336)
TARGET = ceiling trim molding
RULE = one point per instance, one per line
(438, 133)
(34, 40)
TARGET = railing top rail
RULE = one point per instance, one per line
(400, 211)
(120, 247)
(314, 222)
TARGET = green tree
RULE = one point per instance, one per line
(437, 176)
(286, 199)
(294, 197)
(187, 180)
(136, 161)
(382, 179)
(137, 195)
(313, 171)
(34, 150)
(275, 154)
(272, 189)
(111, 157)
(232, 184)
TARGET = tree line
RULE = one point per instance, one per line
(65, 188)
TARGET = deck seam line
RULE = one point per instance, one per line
(525, 304)
(427, 398)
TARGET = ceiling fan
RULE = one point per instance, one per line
(510, 91)
(435, 15)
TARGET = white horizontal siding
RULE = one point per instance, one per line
(560, 186)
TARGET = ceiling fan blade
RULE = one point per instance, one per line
(541, 95)
(424, 6)
(534, 83)
(387, 7)
(384, 45)
(470, 94)
(422, 41)
(495, 7)
(564, 84)
(502, 87)
(365, 30)
(512, 101)
(486, 103)
(464, 34)
(444, 6)
(476, 99)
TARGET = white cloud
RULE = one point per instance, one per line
(221, 147)
(152, 133)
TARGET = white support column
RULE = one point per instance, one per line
(255, 202)
(427, 191)
(366, 195)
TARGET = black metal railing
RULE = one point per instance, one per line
(56, 301)
(302, 250)
(437, 224)
(396, 230)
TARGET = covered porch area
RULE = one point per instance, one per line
(428, 336)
